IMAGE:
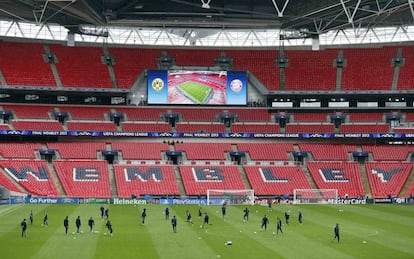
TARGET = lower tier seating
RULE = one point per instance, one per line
(142, 180)
(8, 184)
(387, 178)
(33, 175)
(84, 178)
(276, 179)
(344, 176)
(198, 179)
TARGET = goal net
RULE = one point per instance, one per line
(219, 197)
(315, 196)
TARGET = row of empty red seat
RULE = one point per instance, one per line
(256, 151)
(204, 114)
(364, 69)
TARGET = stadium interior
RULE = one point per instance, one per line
(77, 118)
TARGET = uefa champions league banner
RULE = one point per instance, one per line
(204, 134)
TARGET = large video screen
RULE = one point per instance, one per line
(197, 87)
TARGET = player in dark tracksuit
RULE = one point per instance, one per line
(23, 224)
(167, 213)
(109, 227)
(265, 221)
(45, 220)
(78, 224)
(279, 226)
(188, 216)
(246, 214)
(31, 217)
(200, 213)
(143, 215)
(102, 212)
(174, 224)
(287, 217)
(107, 213)
(91, 223)
(206, 219)
(336, 232)
(223, 210)
(300, 216)
(66, 224)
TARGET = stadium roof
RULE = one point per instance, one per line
(305, 16)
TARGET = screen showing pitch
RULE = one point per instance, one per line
(197, 87)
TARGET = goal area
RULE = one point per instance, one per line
(230, 197)
(315, 196)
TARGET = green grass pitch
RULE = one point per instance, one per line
(195, 91)
(387, 230)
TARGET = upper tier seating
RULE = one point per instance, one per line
(368, 69)
(344, 176)
(29, 111)
(311, 70)
(198, 179)
(204, 151)
(259, 62)
(389, 152)
(4, 127)
(38, 125)
(267, 151)
(81, 66)
(364, 128)
(365, 69)
(387, 178)
(91, 126)
(202, 114)
(85, 112)
(200, 127)
(19, 150)
(142, 113)
(33, 175)
(251, 114)
(366, 116)
(403, 130)
(77, 150)
(406, 74)
(143, 180)
(409, 116)
(255, 128)
(328, 152)
(146, 127)
(140, 150)
(310, 117)
(84, 178)
(22, 64)
(310, 128)
(129, 63)
(276, 179)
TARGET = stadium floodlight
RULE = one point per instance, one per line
(205, 4)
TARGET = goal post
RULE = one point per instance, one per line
(219, 197)
(315, 196)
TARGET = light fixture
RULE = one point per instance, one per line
(205, 4)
